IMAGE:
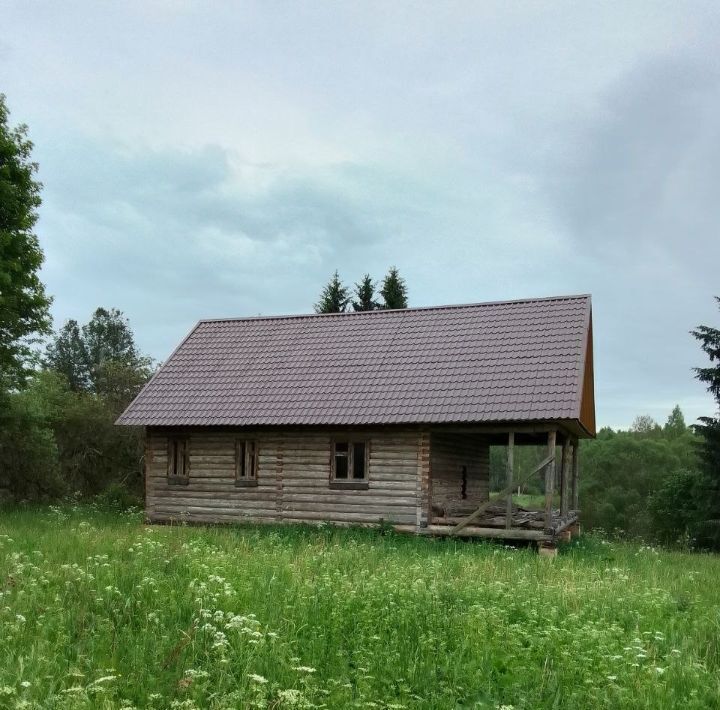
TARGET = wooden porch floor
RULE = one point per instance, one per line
(527, 524)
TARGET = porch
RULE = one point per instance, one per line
(460, 501)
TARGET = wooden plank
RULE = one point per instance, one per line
(384, 509)
(565, 478)
(424, 461)
(299, 485)
(550, 479)
(228, 504)
(339, 497)
(565, 522)
(279, 490)
(510, 484)
(359, 517)
(575, 477)
(227, 492)
(471, 531)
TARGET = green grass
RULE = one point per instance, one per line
(532, 500)
(99, 611)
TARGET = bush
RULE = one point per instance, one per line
(117, 498)
(621, 472)
(54, 441)
(673, 507)
(29, 460)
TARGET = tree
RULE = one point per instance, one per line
(100, 357)
(55, 441)
(334, 297)
(709, 338)
(23, 302)
(394, 290)
(66, 354)
(675, 424)
(109, 343)
(620, 473)
(709, 429)
(29, 462)
(646, 425)
(364, 295)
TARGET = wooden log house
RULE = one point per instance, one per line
(371, 418)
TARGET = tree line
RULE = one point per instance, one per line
(338, 298)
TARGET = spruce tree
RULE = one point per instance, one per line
(709, 499)
(334, 297)
(709, 338)
(364, 295)
(394, 290)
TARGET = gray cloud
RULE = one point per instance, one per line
(198, 233)
(645, 171)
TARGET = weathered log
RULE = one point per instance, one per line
(550, 480)
(510, 484)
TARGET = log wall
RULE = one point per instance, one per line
(449, 453)
(293, 479)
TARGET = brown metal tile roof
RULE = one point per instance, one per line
(515, 360)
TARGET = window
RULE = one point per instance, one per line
(349, 465)
(178, 471)
(245, 463)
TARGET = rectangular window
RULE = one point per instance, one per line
(358, 461)
(245, 463)
(178, 470)
(349, 465)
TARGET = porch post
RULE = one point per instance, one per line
(550, 480)
(575, 476)
(565, 478)
(510, 455)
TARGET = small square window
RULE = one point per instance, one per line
(349, 465)
(178, 465)
(245, 463)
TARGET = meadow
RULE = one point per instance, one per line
(98, 610)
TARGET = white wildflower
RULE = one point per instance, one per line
(104, 679)
(303, 669)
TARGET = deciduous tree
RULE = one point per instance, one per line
(23, 301)
(100, 357)
(675, 424)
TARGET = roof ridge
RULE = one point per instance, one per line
(375, 313)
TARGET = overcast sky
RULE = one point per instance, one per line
(222, 159)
